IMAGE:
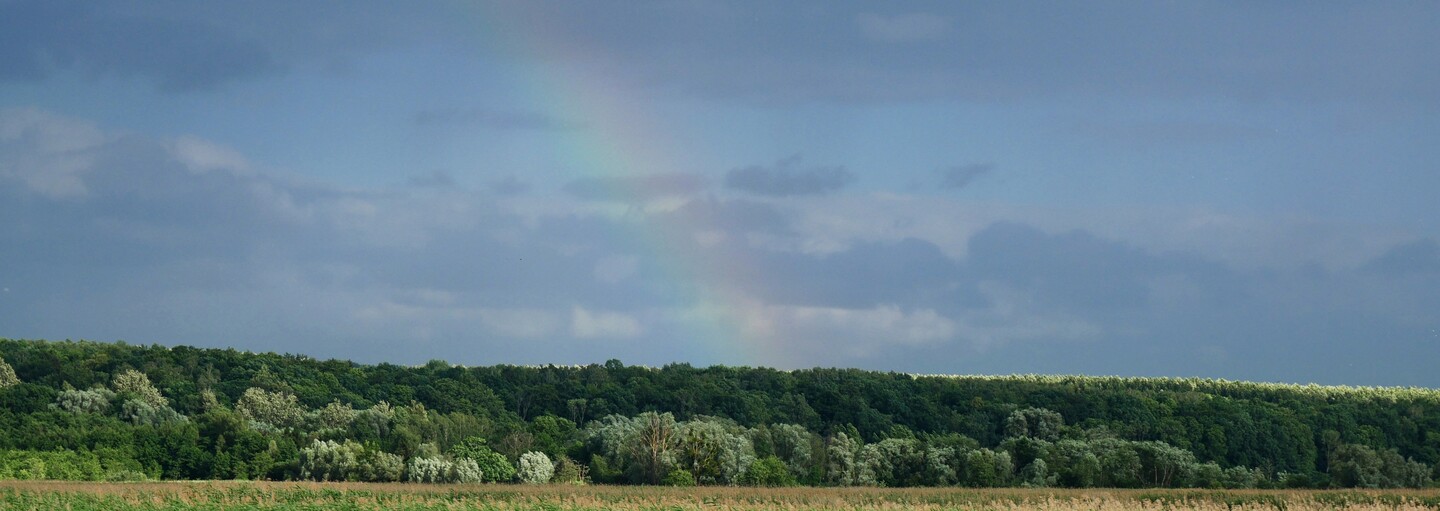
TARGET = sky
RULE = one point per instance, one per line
(1241, 190)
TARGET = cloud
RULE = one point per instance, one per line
(737, 216)
(521, 323)
(785, 179)
(613, 269)
(491, 118)
(509, 186)
(1004, 51)
(1417, 257)
(200, 155)
(182, 240)
(855, 332)
(960, 176)
(903, 28)
(752, 51)
(43, 37)
(636, 188)
(46, 153)
(586, 324)
(436, 179)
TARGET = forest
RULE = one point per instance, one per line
(114, 411)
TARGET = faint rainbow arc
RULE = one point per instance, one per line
(620, 139)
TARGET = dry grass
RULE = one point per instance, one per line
(275, 496)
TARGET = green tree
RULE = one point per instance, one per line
(840, 460)
(1037, 423)
(493, 465)
(768, 471)
(1355, 466)
(651, 446)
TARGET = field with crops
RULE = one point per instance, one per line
(364, 497)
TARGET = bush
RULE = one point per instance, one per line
(327, 460)
(679, 477)
(535, 468)
(378, 466)
(493, 464)
(440, 470)
(768, 471)
(567, 471)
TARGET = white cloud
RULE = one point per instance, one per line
(586, 324)
(201, 155)
(48, 153)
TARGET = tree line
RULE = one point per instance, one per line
(92, 411)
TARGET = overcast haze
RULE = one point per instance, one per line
(1240, 190)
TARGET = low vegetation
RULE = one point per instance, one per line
(376, 497)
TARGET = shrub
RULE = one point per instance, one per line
(679, 477)
(327, 460)
(768, 471)
(535, 468)
(493, 464)
(440, 470)
(567, 471)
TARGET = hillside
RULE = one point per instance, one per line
(189, 413)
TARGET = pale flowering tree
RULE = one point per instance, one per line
(535, 468)
(136, 384)
(7, 375)
(278, 410)
(95, 401)
(441, 470)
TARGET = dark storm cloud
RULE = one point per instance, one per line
(490, 118)
(120, 236)
(787, 178)
(1077, 270)
(783, 53)
(1168, 314)
(796, 52)
(909, 272)
(960, 176)
(635, 188)
(38, 38)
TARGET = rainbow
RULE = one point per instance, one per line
(622, 139)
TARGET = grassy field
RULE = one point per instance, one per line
(24, 495)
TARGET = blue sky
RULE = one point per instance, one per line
(1181, 189)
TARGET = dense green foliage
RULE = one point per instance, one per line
(188, 413)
